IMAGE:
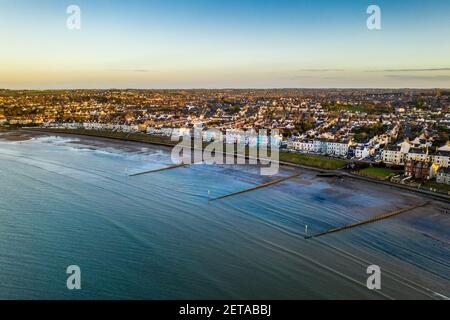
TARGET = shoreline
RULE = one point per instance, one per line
(337, 172)
(420, 229)
(13, 136)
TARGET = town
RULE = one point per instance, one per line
(400, 135)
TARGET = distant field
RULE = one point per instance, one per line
(377, 172)
(313, 161)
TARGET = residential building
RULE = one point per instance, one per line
(441, 158)
(443, 176)
(419, 170)
(393, 155)
(361, 152)
(417, 154)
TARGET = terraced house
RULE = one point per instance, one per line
(443, 176)
(393, 155)
(442, 158)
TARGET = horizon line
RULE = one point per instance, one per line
(235, 88)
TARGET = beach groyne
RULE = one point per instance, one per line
(159, 170)
(368, 221)
(264, 185)
(328, 172)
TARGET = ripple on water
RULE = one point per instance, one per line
(68, 201)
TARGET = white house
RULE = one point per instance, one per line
(326, 147)
(393, 155)
(442, 158)
(361, 152)
(443, 176)
(331, 148)
(417, 154)
(302, 146)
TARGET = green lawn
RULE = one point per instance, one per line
(313, 161)
(444, 188)
(377, 172)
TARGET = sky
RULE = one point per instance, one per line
(224, 44)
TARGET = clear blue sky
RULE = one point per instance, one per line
(216, 44)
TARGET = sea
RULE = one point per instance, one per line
(71, 201)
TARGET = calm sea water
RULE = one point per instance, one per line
(68, 201)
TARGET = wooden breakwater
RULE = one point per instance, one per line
(370, 220)
(264, 185)
(159, 170)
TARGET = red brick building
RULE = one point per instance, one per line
(419, 170)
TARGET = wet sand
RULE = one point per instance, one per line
(341, 187)
(347, 183)
(13, 136)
